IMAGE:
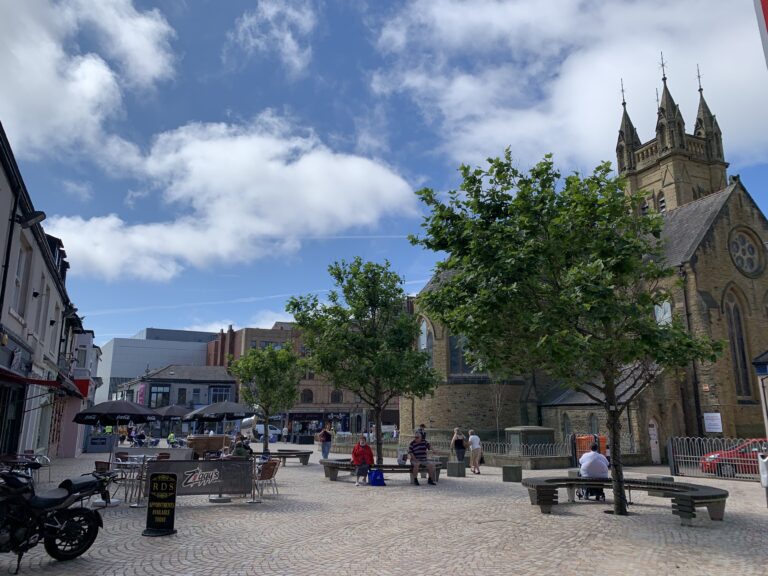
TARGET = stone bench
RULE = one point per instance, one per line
(333, 466)
(685, 497)
(301, 455)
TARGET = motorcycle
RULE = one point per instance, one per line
(27, 517)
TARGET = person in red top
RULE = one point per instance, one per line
(362, 458)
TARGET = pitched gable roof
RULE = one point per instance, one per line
(686, 226)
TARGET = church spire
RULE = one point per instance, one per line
(628, 140)
(670, 127)
(707, 127)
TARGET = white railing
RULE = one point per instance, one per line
(724, 457)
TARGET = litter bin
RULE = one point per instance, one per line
(762, 462)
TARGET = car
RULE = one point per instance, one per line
(739, 460)
(247, 427)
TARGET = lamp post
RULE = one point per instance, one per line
(761, 368)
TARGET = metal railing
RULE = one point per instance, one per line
(734, 458)
(508, 449)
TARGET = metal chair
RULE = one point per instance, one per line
(266, 477)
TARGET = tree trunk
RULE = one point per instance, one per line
(617, 473)
(379, 441)
(265, 436)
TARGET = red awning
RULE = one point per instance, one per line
(61, 382)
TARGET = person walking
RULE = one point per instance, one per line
(326, 438)
(475, 452)
(458, 445)
(362, 459)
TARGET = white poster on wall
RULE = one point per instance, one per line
(713, 422)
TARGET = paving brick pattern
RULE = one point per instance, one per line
(476, 525)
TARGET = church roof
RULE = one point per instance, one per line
(686, 226)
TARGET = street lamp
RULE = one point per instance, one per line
(761, 368)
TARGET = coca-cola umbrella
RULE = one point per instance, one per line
(173, 412)
(219, 411)
(113, 412)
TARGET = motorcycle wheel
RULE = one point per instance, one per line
(78, 532)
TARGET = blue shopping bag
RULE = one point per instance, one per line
(376, 478)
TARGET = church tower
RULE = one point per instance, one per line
(674, 168)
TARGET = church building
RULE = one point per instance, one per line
(715, 238)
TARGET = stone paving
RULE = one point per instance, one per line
(476, 525)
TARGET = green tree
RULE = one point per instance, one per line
(562, 276)
(269, 381)
(363, 339)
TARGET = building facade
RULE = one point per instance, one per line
(714, 237)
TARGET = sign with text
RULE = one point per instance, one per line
(206, 476)
(713, 422)
(161, 505)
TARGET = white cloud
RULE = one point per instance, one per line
(275, 26)
(79, 190)
(544, 76)
(267, 318)
(241, 193)
(57, 98)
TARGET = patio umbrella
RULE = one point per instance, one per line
(220, 411)
(115, 411)
(174, 412)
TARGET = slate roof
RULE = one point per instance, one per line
(570, 397)
(190, 373)
(686, 226)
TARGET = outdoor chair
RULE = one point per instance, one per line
(101, 466)
(266, 476)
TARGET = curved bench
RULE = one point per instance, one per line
(685, 497)
(302, 455)
(333, 465)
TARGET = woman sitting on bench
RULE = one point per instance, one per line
(594, 465)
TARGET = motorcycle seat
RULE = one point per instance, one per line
(49, 498)
(84, 483)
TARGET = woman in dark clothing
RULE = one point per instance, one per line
(458, 444)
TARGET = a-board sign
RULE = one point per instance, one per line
(161, 505)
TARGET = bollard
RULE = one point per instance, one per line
(512, 473)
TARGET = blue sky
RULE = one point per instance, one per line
(204, 160)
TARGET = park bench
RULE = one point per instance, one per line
(333, 466)
(685, 497)
(301, 455)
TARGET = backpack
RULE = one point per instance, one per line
(376, 477)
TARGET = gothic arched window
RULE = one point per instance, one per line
(738, 347)
(307, 397)
(426, 340)
(662, 203)
(566, 427)
(459, 364)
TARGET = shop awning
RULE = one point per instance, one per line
(61, 382)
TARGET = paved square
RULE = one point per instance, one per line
(476, 525)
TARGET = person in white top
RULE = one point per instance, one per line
(594, 465)
(475, 452)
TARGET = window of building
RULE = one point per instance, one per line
(567, 430)
(181, 396)
(219, 394)
(54, 338)
(662, 203)
(426, 340)
(39, 313)
(738, 348)
(459, 364)
(129, 395)
(307, 397)
(663, 313)
(264, 344)
(21, 281)
(593, 426)
(81, 357)
(645, 209)
(159, 396)
(196, 396)
(254, 343)
(337, 397)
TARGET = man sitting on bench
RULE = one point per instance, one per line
(417, 451)
(594, 465)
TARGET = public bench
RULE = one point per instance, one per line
(333, 466)
(204, 443)
(301, 455)
(685, 497)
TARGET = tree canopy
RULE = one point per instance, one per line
(269, 380)
(557, 275)
(363, 338)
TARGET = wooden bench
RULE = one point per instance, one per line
(332, 467)
(685, 497)
(301, 455)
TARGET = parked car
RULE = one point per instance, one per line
(739, 460)
(256, 432)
